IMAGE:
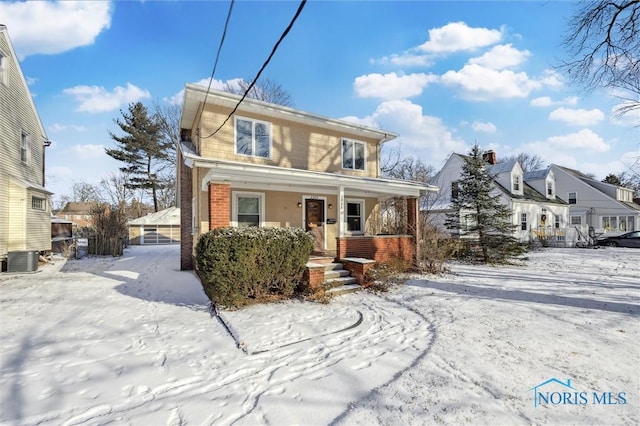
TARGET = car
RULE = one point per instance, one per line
(630, 239)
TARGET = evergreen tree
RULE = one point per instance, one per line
(481, 215)
(142, 149)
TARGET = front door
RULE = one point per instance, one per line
(314, 221)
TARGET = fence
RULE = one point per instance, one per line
(111, 246)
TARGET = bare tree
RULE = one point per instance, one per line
(168, 117)
(528, 162)
(603, 43)
(84, 192)
(264, 90)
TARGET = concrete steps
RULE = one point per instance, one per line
(339, 280)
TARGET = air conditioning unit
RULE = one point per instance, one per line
(22, 261)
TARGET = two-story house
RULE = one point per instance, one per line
(25, 217)
(608, 209)
(259, 164)
(537, 211)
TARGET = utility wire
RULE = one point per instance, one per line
(273, 51)
(215, 64)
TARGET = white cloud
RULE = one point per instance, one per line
(487, 127)
(481, 84)
(457, 36)
(424, 136)
(406, 59)
(391, 86)
(565, 147)
(43, 27)
(501, 57)
(56, 127)
(577, 117)
(630, 118)
(552, 78)
(98, 99)
(546, 101)
(88, 151)
(31, 80)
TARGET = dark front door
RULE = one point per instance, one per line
(314, 221)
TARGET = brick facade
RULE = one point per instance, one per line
(380, 248)
(186, 215)
(358, 269)
(314, 276)
(219, 205)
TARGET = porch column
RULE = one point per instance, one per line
(413, 224)
(341, 211)
(219, 205)
(186, 204)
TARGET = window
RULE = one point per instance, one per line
(253, 138)
(38, 203)
(353, 155)
(454, 190)
(557, 221)
(550, 189)
(631, 222)
(3, 69)
(248, 209)
(523, 221)
(576, 220)
(355, 215)
(24, 148)
(516, 182)
(573, 198)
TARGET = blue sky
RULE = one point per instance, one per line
(442, 75)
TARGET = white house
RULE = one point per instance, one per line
(537, 210)
(608, 209)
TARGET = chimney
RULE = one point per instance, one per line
(489, 157)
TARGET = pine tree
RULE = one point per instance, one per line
(480, 214)
(142, 149)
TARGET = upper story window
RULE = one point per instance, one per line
(24, 147)
(38, 203)
(4, 69)
(573, 198)
(353, 155)
(523, 222)
(517, 182)
(550, 189)
(455, 189)
(253, 137)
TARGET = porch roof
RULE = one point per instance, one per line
(260, 176)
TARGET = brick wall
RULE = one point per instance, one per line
(380, 248)
(358, 269)
(314, 276)
(186, 238)
(219, 205)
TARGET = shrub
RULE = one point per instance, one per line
(380, 277)
(241, 265)
(436, 249)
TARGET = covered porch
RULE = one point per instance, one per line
(341, 211)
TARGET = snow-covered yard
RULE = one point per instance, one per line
(131, 341)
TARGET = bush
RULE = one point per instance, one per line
(240, 265)
(380, 278)
(436, 249)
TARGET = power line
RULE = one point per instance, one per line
(255, 79)
(215, 64)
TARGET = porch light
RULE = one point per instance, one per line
(330, 206)
(299, 205)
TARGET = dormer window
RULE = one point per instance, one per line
(455, 189)
(517, 181)
(550, 189)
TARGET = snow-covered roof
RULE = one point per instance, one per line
(170, 216)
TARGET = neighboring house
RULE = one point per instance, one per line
(77, 212)
(537, 211)
(25, 215)
(269, 165)
(608, 209)
(161, 227)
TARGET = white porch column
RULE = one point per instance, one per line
(341, 226)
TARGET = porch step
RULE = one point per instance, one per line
(340, 281)
(333, 266)
(321, 259)
(335, 273)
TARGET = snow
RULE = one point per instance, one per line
(131, 341)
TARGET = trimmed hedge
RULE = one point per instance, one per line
(241, 265)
